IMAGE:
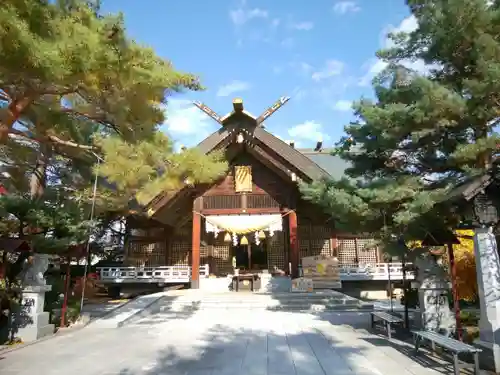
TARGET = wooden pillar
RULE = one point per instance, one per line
(294, 243)
(286, 245)
(195, 245)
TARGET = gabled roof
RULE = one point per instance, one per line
(302, 162)
(312, 165)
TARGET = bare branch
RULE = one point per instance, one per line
(62, 142)
(53, 139)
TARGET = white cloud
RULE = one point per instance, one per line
(184, 119)
(275, 22)
(309, 130)
(343, 105)
(301, 67)
(343, 7)
(375, 66)
(332, 68)
(233, 87)
(303, 26)
(407, 25)
(241, 16)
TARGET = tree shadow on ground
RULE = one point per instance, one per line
(238, 351)
(323, 348)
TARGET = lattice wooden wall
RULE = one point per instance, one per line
(366, 255)
(276, 251)
(179, 253)
(352, 251)
(304, 243)
(180, 249)
(217, 255)
(146, 254)
(321, 247)
(314, 240)
(347, 251)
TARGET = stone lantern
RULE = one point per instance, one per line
(476, 202)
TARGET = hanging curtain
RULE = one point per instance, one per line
(243, 224)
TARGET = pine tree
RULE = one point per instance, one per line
(67, 73)
(50, 225)
(424, 133)
(67, 57)
(140, 171)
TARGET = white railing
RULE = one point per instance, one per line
(182, 274)
(161, 274)
(374, 271)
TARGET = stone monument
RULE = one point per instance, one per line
(31, 321)
(488, 283)
(433, 297)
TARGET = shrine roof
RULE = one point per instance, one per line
(334, 165)
(240, 127)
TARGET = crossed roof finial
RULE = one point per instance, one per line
(238, 107)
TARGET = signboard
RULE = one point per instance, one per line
(302, 285)
(208, 111)
(243, 179)
(324, 271)
(281, 101)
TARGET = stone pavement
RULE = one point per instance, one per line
(227, 343)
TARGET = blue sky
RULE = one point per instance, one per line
(321, 55)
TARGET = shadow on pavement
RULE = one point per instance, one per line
(228, 350)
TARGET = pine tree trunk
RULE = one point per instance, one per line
(38, 176)
(484, 158)
(12, 114)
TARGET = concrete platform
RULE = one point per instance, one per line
(212, 342)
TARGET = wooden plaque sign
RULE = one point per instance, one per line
(324, 271)
(243, 179)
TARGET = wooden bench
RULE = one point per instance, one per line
(450, 344)
(387, 318)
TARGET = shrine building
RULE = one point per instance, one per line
(252, 220)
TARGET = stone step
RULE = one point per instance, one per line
(260, 302)
(302, 308)
(263, 299)
(264, 302)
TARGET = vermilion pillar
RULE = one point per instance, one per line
(294, 243)
(195, 251)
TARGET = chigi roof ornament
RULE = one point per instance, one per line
(239, 108)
